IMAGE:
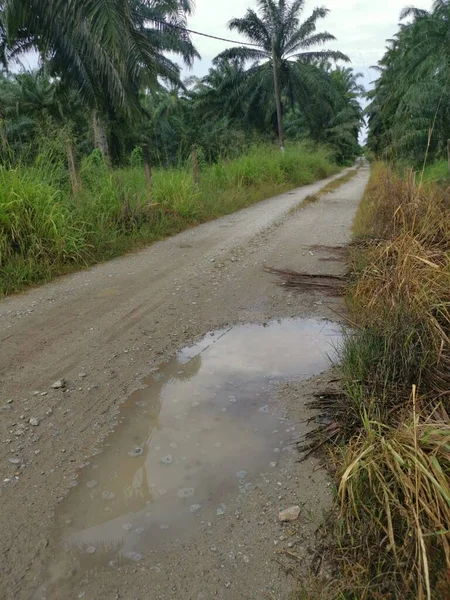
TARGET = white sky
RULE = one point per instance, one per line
(361, 27)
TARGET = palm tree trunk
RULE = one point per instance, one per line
(276, 81)
(101, 136)
(4, 135)
(74, 181)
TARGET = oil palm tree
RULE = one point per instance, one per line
(281, 39)
(408, 114)
(106, 50)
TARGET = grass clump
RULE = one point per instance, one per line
(45, 230)
(328, 189)
(392, 425)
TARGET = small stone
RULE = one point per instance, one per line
(15, 461)
(127, 526)
(59, 384)
(82, 375)
(241, 474)
(273, 464)
(91, 484)
(135, 556)
(33, 421)
(167, 460)
(289, 514)
(213, 548)
(221, 510)
(91, 549)
(185, 493)
(195, 508)
(138, 451)
(10, 401)
(264, 409)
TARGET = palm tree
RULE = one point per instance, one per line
(280, 37)
(408, 114)
(106, 50)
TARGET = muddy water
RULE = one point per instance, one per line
(197, 435)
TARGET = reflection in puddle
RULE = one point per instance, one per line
(193, 439)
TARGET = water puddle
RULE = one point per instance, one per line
(194, 439)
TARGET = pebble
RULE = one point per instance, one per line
(167, 460)
(15, 461)
(134, 556)
(91, 484)
(289, 514)
(213, 548)
(264, 409)
(195, 508)
(127, 526)
(185, 492)
(221, 510)
(34, 421)
(59, 384)
(138, 451)
(91, 549)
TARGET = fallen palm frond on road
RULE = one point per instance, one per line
(331, 284)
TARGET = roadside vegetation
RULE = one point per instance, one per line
(393, 419)
(47, 230)
(388, 427)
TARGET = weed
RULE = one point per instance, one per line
(47, 231)
(392, 536)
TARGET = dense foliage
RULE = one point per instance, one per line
(105, 81)
(409, 114)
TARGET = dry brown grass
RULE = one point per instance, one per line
(392, 537)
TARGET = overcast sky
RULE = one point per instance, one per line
(360, 26)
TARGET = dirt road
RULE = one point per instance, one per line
(102, 331)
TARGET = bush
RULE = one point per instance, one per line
(392, 538)
(45, 230)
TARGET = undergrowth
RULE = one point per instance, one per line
(45, 230)
(328, 189)
(391, 426)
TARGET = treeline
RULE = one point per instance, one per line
(409, 113)
(105, 81)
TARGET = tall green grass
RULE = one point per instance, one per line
(45, 230)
